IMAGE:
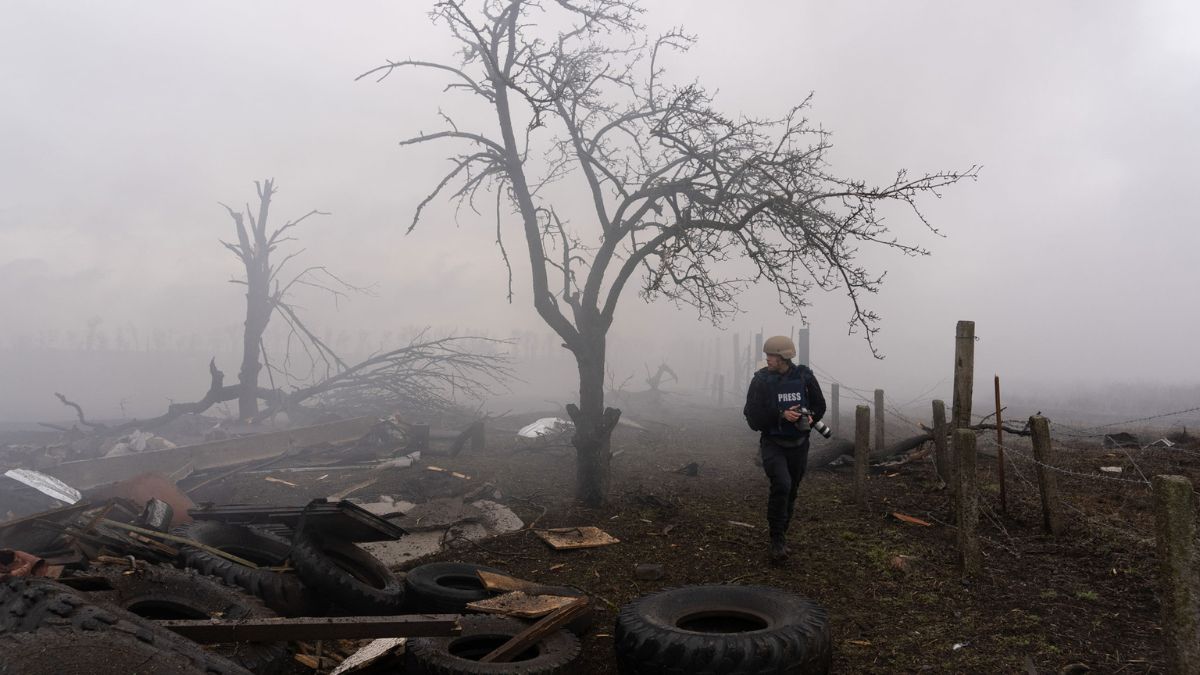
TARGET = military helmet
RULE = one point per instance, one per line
(781, 346)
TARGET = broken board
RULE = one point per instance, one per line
(561, 538)
(521, 605)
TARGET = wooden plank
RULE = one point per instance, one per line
(576, 537)
(279, 629)
(536, 632)
(521, 605)
(89, 473)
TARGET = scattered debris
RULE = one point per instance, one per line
(576, 537)
(372, 652)
(138, 442)
(959, 645)
(342, 494)
(649, 571)
(146, 486)
(521, 604)
(1121, 440)
(438, 514)
(272, 479)
(689, 469)
(22, 564)
(544, 427)
(452, 473)
(1112, 469)
(910, 519)
(739, 523)
(47, 485)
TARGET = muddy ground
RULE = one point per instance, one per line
(893, 590)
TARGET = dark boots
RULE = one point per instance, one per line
(779, 549)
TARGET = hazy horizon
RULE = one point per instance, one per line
(129, 122)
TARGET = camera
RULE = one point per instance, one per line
(803, 425)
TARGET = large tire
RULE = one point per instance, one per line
(481, 634)
(283, 593)
(167, 593)
(445, 587)
(723, 629)
(348, 576)
(45, 628)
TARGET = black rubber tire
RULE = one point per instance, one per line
(47, 628)
(161, 592)
(445, 587)
(348, 576)
(282, 592)
(459, 655)
(723, 629)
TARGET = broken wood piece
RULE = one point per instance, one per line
(372, 652)
(338, 496)
(910, 519)
(280, 629)
(739, 523)
(179, 540)
(306, 660)
(502, 583)
(536, 632)
(452, 473)
(272, 479)
(521, 605)
(561, 538)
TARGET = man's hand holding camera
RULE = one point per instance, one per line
(794, 413)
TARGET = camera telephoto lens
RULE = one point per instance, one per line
(823, 429)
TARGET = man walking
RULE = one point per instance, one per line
(783, 402)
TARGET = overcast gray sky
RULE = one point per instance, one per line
(124, 123)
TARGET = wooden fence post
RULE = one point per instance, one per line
(1000, 452)
(862, 452)
(721, 391)
(1174, 528)
(964, 374)
(737, 357)
(835, 414)
(1047, 481)
(879, 443)
(941, 458)
(968, 503)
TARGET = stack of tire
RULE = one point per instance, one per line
(330, 573)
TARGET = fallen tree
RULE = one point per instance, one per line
(824, 454)
(428, 375)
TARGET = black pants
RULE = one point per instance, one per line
(785, 469)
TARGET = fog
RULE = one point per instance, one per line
(126, 123)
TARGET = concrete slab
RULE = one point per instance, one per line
(438, 514)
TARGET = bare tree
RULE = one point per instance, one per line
(264, 294)
(429, 374)
(696, 202)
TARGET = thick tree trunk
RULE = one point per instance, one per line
(593, 426)
(258, 313)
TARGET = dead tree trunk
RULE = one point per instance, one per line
(254, 249)
(593, 425)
